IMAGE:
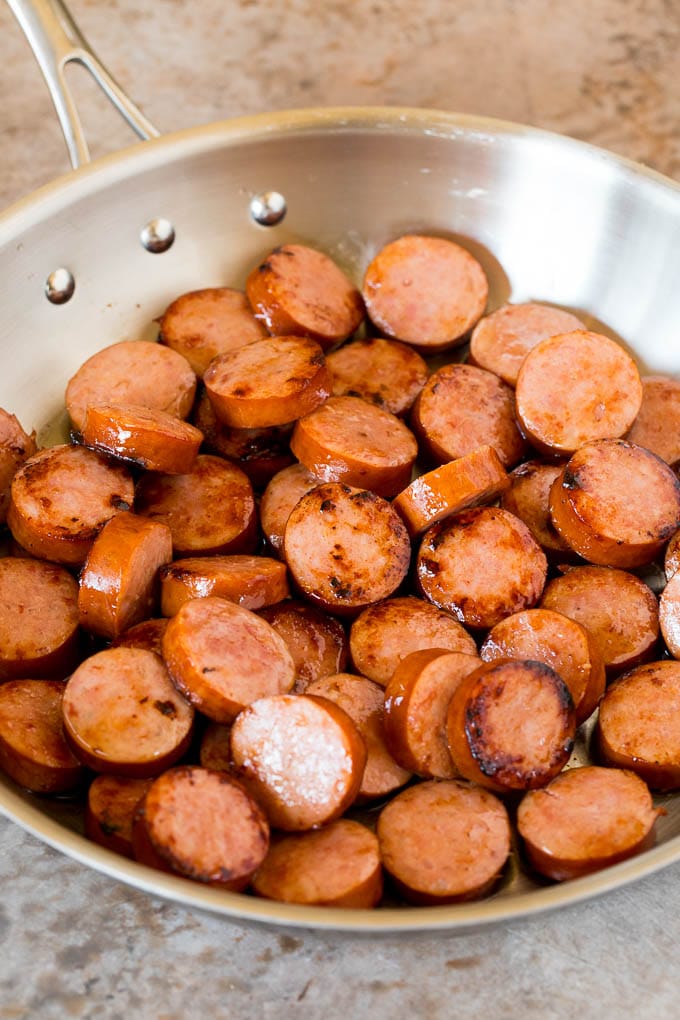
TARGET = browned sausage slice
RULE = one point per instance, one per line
(617, 608)
(270, 382)
(364, 702)
(584, 820)
(302, 291)
(386, 633)
(204, 323)
(528, 498)
(38, 619)
(33, 751)
(461, 408)
(576, 387)
(639, 724)
(109, 814)
(147, 635)
(203, 825)
(426, 291)
(511, 725)
(563, 644)
(316, 641)
(416, 707)
(279, 498)
(501, 341)
(444, 842)
(336, 866)
(132, 372)
(122, 714)
(381, 371)
(348, 440)
(669, 615)
(302, 757)
(16, 446)
(251, 581)
(615, 504)
(60, 499)
(223, 657)
(657, 426)
(346, 548)
(261, 453)
(210, 510)
(477, 478)
(481, 565)
(148, 438)
(119, 583)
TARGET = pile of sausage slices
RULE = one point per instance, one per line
(288, 568)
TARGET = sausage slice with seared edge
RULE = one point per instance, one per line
(151, 439)
(316, 641)
(33, 751)
(251, 581)
(16, 446)
(383, 372)
(444, 842)
(109, 814)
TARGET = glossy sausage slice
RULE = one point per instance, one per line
(528, 498)
(251, 581)
(386, 633)
(260, 453)
(383, 372)
(501, 341)
(348, 440)
(33, 751)
(477, 478)
(122, 714)
(60, 499)
(639, 724)
(669, 615)
(346, 548)
(210, 510)
(481, 565)
(427, 291)
(461, 408)
(615, 504)
(586, 819)
(204, 323)
(147, 635)
(364, 702)
(336, 866)
(657, 426)
(444, 842)
(203, 825)
(278, 499)
(132, 372)
(223, 657)
(111, 805)
(302, 757)
(119, 583)
(511, 725)
(270, 382)
(563, 644)
(150, 439)
(416, 708)
(576, 387)
(302, 291)
(617, 608)
(16, 446)
(316, 641)
(39, 634)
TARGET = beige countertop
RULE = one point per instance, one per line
(77, 944)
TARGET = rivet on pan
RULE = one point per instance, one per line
(158, 235)
(59, 286)
(268, 208)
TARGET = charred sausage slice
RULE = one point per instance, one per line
(444, 842)
(427, 291)
(302, 757)
(223, 657)
(336, 866)
(359, 547)
(148, 438)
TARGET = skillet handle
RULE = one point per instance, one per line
(57, 41)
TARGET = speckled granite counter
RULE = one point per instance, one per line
(76, 944)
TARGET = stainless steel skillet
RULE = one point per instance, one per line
(550, 218)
